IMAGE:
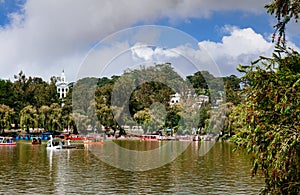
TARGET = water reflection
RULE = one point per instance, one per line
(34, 170)
(138, 155)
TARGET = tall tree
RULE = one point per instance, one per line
(7, 93)
(268, 121)
(44, 117)
(104, 111)
(5, 116)
(55, 117)
(143, 117)
(19, 87)
(232, 89)
(51, 93)
(67, 118)
(28, 118)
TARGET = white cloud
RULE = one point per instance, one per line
(48, 36)
(147, 53)
(241, 47)
(142, 51)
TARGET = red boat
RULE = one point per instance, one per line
(150, 137)
(36, 141)
(4, 141)
(76, 137)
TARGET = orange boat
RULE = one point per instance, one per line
(89, 142)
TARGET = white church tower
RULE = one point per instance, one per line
(62, 86)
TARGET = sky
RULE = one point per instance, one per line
(103, 38)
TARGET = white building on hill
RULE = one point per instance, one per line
(62, 86)
(175, 99)
(197, 99)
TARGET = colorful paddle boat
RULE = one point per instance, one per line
(7, 141)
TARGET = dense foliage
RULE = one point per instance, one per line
(267, 121)
(31, 103)
(264, 117)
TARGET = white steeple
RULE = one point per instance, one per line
(63, 77)
(62, 85)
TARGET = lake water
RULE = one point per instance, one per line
(31, 169)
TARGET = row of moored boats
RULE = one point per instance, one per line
(54, 143)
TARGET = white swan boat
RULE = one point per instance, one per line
(54, 144)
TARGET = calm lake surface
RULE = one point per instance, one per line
(31, 169)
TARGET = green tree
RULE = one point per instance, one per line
(50, 94)
(103, 108)
(83, 93)
(106, 117)
(185, 114)
(7, 93)
(217, 120)
(5, 116)
(268, 125)
(143, 118)
(173, 119)
(267, 122)
(203, 116)
(81, 122)
(198, 81)
(92, 115)
(28, 118)
(55, 117)
(205, 83)
(67, 118)
(19, 87)
(148, 93)
(232, 89)
(44, 117)
(140, 88)
(39, 92)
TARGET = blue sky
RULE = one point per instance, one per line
(44, 37)
(8, 7)
(211, 28)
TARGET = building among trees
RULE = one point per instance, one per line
(175, 98)
(197, 99)
(62, 86)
